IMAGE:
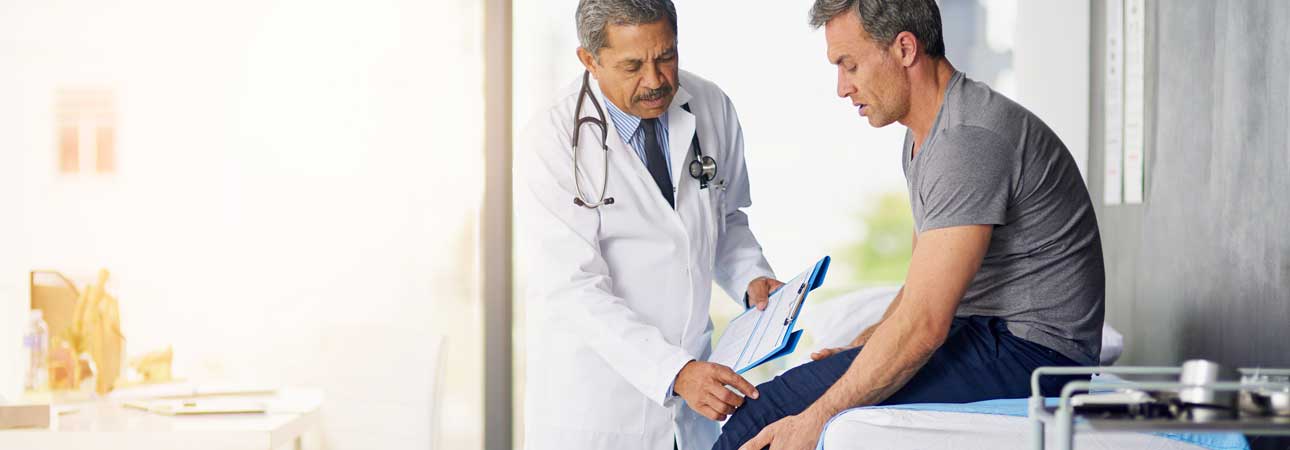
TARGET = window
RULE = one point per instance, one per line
(86, 130)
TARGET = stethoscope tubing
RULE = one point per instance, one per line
(702, 168)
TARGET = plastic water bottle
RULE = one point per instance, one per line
(36, 343)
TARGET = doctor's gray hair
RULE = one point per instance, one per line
(594, 16)
(884, 19)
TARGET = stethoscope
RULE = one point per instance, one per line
(702, 167)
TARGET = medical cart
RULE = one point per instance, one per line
(1063, 419)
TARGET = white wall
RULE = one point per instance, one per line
(13, 261)
(13, 306)
(1051, 61)
(294, 177)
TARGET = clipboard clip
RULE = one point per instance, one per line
(796, 306)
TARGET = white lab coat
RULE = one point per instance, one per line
(618, 297)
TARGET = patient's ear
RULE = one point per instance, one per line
(905, 49)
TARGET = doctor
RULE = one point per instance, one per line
(632, 214)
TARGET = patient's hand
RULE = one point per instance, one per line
(703, 386)
(759, 291)
(827, 352)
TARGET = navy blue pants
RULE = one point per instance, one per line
(980, 360)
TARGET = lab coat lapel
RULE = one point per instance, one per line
(681, 128)
(623, 156)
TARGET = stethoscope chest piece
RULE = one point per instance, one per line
(703, 169)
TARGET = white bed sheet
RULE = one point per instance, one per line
(927, 430)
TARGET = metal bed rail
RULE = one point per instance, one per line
(1064, 419)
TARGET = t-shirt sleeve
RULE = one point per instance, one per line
(969, 179)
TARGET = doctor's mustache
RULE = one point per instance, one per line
(654, 94)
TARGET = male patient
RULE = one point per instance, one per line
(1006, 273)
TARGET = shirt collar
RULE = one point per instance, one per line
(627, 124)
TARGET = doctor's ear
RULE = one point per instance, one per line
(588, 61)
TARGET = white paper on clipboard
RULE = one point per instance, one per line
(757, 336)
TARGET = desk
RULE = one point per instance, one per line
(105, 424)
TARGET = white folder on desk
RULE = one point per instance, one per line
(755, 336)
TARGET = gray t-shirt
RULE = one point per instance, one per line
(990, 161)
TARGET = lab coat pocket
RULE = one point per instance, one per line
(718, 197)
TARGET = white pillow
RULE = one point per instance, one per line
(1112, 345)
(834, 322)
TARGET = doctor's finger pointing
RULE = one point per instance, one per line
(734, 380)
(724, 397)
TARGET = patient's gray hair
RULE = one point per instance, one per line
(884, 19)
(594, 16)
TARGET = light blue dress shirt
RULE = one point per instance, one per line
(629, 129)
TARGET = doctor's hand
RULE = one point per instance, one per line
(759, 291)
(703, 386)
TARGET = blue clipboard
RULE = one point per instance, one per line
(787, 341)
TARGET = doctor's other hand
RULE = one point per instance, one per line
(759, 291)
(827, 352)
(703, 386)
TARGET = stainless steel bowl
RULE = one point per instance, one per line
(1265, 403)
(1268, 394)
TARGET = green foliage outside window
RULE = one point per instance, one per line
(882, 256)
